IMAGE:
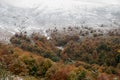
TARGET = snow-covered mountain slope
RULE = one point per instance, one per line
(58, 13)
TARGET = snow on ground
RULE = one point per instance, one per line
(33, 15)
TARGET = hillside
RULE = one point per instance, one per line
(43, 15)
(59, 40)
(35, 57)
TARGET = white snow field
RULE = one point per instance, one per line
(34, 15)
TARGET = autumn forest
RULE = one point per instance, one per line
(73, 53)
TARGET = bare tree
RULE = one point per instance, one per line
(21, 24)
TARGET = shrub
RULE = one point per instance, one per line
(31, 65)
(17, 67)
(55, 58)
(111, 70)
(4, 74)
(81, 75)
(72, 76)
(45, 65)
(51, 72)
(118, 65)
